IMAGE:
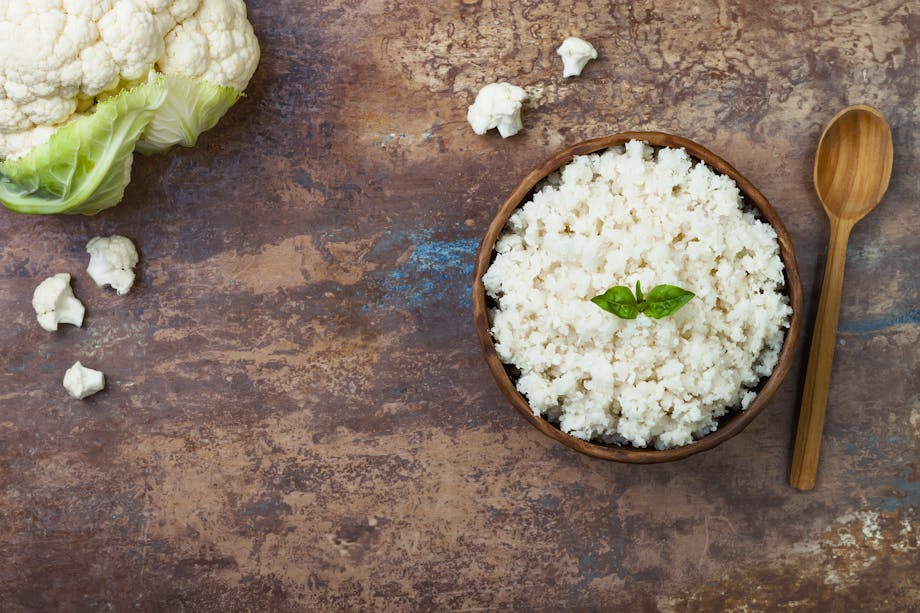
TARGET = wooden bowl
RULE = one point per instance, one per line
(732, 422)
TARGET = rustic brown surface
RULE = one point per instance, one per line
(298, 416)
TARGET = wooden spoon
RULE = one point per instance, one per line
(852, 169)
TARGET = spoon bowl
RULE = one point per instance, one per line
(853, 164)
(852, 170)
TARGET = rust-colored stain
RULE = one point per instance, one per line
(298, 416)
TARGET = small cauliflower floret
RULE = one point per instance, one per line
(54, 303)
(80, 381)
(575, 53)
(498, 105)
(111, 262)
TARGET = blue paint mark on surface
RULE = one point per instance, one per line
(438, 273)
(591, 567)
(869, 325)
(306, 181)
(909, 499)
(548, 503)
(871, 444)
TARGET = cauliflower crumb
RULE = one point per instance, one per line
(615, 218)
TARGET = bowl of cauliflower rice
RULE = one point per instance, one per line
(637, 298)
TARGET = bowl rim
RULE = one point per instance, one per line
(737, 420)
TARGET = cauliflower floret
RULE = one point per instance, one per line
(43, 76)
(93, 10)
(19, 143)
(54, 303)
(42, 68)
(100, 72)
(111, 262)
(216, 44)
(187, 52)
(80, 381)
(133, 37)
(12, 116)
(171, 12)
(181, 9)
(49, 111)
(497, 105)
(575, 53)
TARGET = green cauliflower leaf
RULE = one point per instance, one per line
(85, 166)
(191, 107)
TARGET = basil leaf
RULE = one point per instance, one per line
(618, 300)
(639, 296)
(665, 299)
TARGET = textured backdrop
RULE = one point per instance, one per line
(298, 416)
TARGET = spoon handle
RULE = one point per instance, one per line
(820, 359)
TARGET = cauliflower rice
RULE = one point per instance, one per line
(615, 218)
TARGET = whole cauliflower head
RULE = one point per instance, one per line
(59, 57)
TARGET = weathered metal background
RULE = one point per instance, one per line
(298, 416)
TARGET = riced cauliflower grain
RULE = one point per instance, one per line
(615, 218)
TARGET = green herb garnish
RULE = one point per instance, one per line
(660, 302)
